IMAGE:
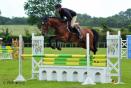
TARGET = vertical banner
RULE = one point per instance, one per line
(129, 46)
(37, 45)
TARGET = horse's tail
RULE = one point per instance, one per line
(95, 40)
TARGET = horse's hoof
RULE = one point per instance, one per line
(58, 48)
(52, 47)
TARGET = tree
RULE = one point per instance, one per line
(128, 13)
(105, 27)
(38, 8)
(19, 20)
(129, 27)
(0, 12)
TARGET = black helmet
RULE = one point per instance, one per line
(58, 6)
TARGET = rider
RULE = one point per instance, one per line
(70, 17)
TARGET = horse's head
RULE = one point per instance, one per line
(44, 26)
(47, 22)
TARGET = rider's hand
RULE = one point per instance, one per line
(65, 20)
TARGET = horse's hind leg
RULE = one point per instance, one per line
(83, 45)
(95, 48)
(92, 48)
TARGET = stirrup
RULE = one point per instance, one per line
(80, 38)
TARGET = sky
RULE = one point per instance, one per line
(97, 8)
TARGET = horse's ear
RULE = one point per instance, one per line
(45, 17)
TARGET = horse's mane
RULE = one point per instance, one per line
(57, 19)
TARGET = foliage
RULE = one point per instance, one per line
(129, 27)
(14, 20)
(122, 19)
(27, 33)
(7, 37)
(105, 27)
(4, 20)
(33, 20)
(36, 9)
(18, 20)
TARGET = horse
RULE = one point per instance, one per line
(63, 34)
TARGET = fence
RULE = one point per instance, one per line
(100, 44)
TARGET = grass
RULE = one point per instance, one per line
(9, 71)
(9, 68)
(19, 29)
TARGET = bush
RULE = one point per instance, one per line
(129, 28)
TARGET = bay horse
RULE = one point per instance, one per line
(63, 34)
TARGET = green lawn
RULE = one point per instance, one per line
(19, 29)
(9, 71)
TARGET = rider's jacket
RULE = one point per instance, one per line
(64, 12)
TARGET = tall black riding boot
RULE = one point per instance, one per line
(78, 33)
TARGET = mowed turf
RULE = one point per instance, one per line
(19, 29)
(9, 71)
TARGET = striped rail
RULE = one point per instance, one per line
(71, 59)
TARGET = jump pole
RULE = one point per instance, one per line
(20, 77)
(88, 80)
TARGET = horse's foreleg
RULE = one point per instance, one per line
(58, 45)
(56, 39)
(50, 42)
(60, 39)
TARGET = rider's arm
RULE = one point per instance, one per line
(62, 17)
(67, 14)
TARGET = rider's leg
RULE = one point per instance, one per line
(77, 30)
(71, 24)
(70, 27)
(73, 21)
